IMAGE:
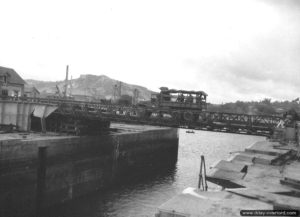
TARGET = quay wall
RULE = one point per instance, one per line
(72, 166)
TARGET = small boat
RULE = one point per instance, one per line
(189, 131)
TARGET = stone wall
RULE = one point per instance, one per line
(73, 166)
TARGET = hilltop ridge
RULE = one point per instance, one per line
(99, 86)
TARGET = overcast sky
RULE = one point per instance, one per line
(231, 49)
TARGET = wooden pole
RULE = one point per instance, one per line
(66, 81)
(202, 177)
(200, 181)
(204, 167)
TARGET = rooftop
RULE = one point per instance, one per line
(14, 77)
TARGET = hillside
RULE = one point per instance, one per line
(99, 87)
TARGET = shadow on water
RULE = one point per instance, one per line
(121, 195)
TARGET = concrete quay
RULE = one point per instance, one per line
(265, 176)
(40, 170)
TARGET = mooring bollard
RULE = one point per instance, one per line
(41, 180)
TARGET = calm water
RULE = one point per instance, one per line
(141, 193)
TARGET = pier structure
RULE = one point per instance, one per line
(17, 114)
(263, 179)
(38, 171)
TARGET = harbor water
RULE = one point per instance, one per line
(141, 192)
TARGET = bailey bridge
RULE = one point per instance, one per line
(79, 117)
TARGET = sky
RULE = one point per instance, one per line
(231, 49)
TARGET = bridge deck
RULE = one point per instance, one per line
(230, 122)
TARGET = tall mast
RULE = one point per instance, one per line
(66, 81)
(71, 86)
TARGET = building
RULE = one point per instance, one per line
(31, 91)
(11, 84)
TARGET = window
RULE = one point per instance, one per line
(16, 93)
(3, 79)
(4, 93)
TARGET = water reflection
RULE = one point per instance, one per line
(121, 199)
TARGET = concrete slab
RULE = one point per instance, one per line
(278, 201)
(225, 174)
(262, 171)
(265, 185)
(291, 183)
(291, 174)
(254, 158)
(292, 171)
(243, 158)
(225, 178)
(260, 182)
(230, 166)
(195, 203)
(267, 178)
(290, 146)
(266, 147)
